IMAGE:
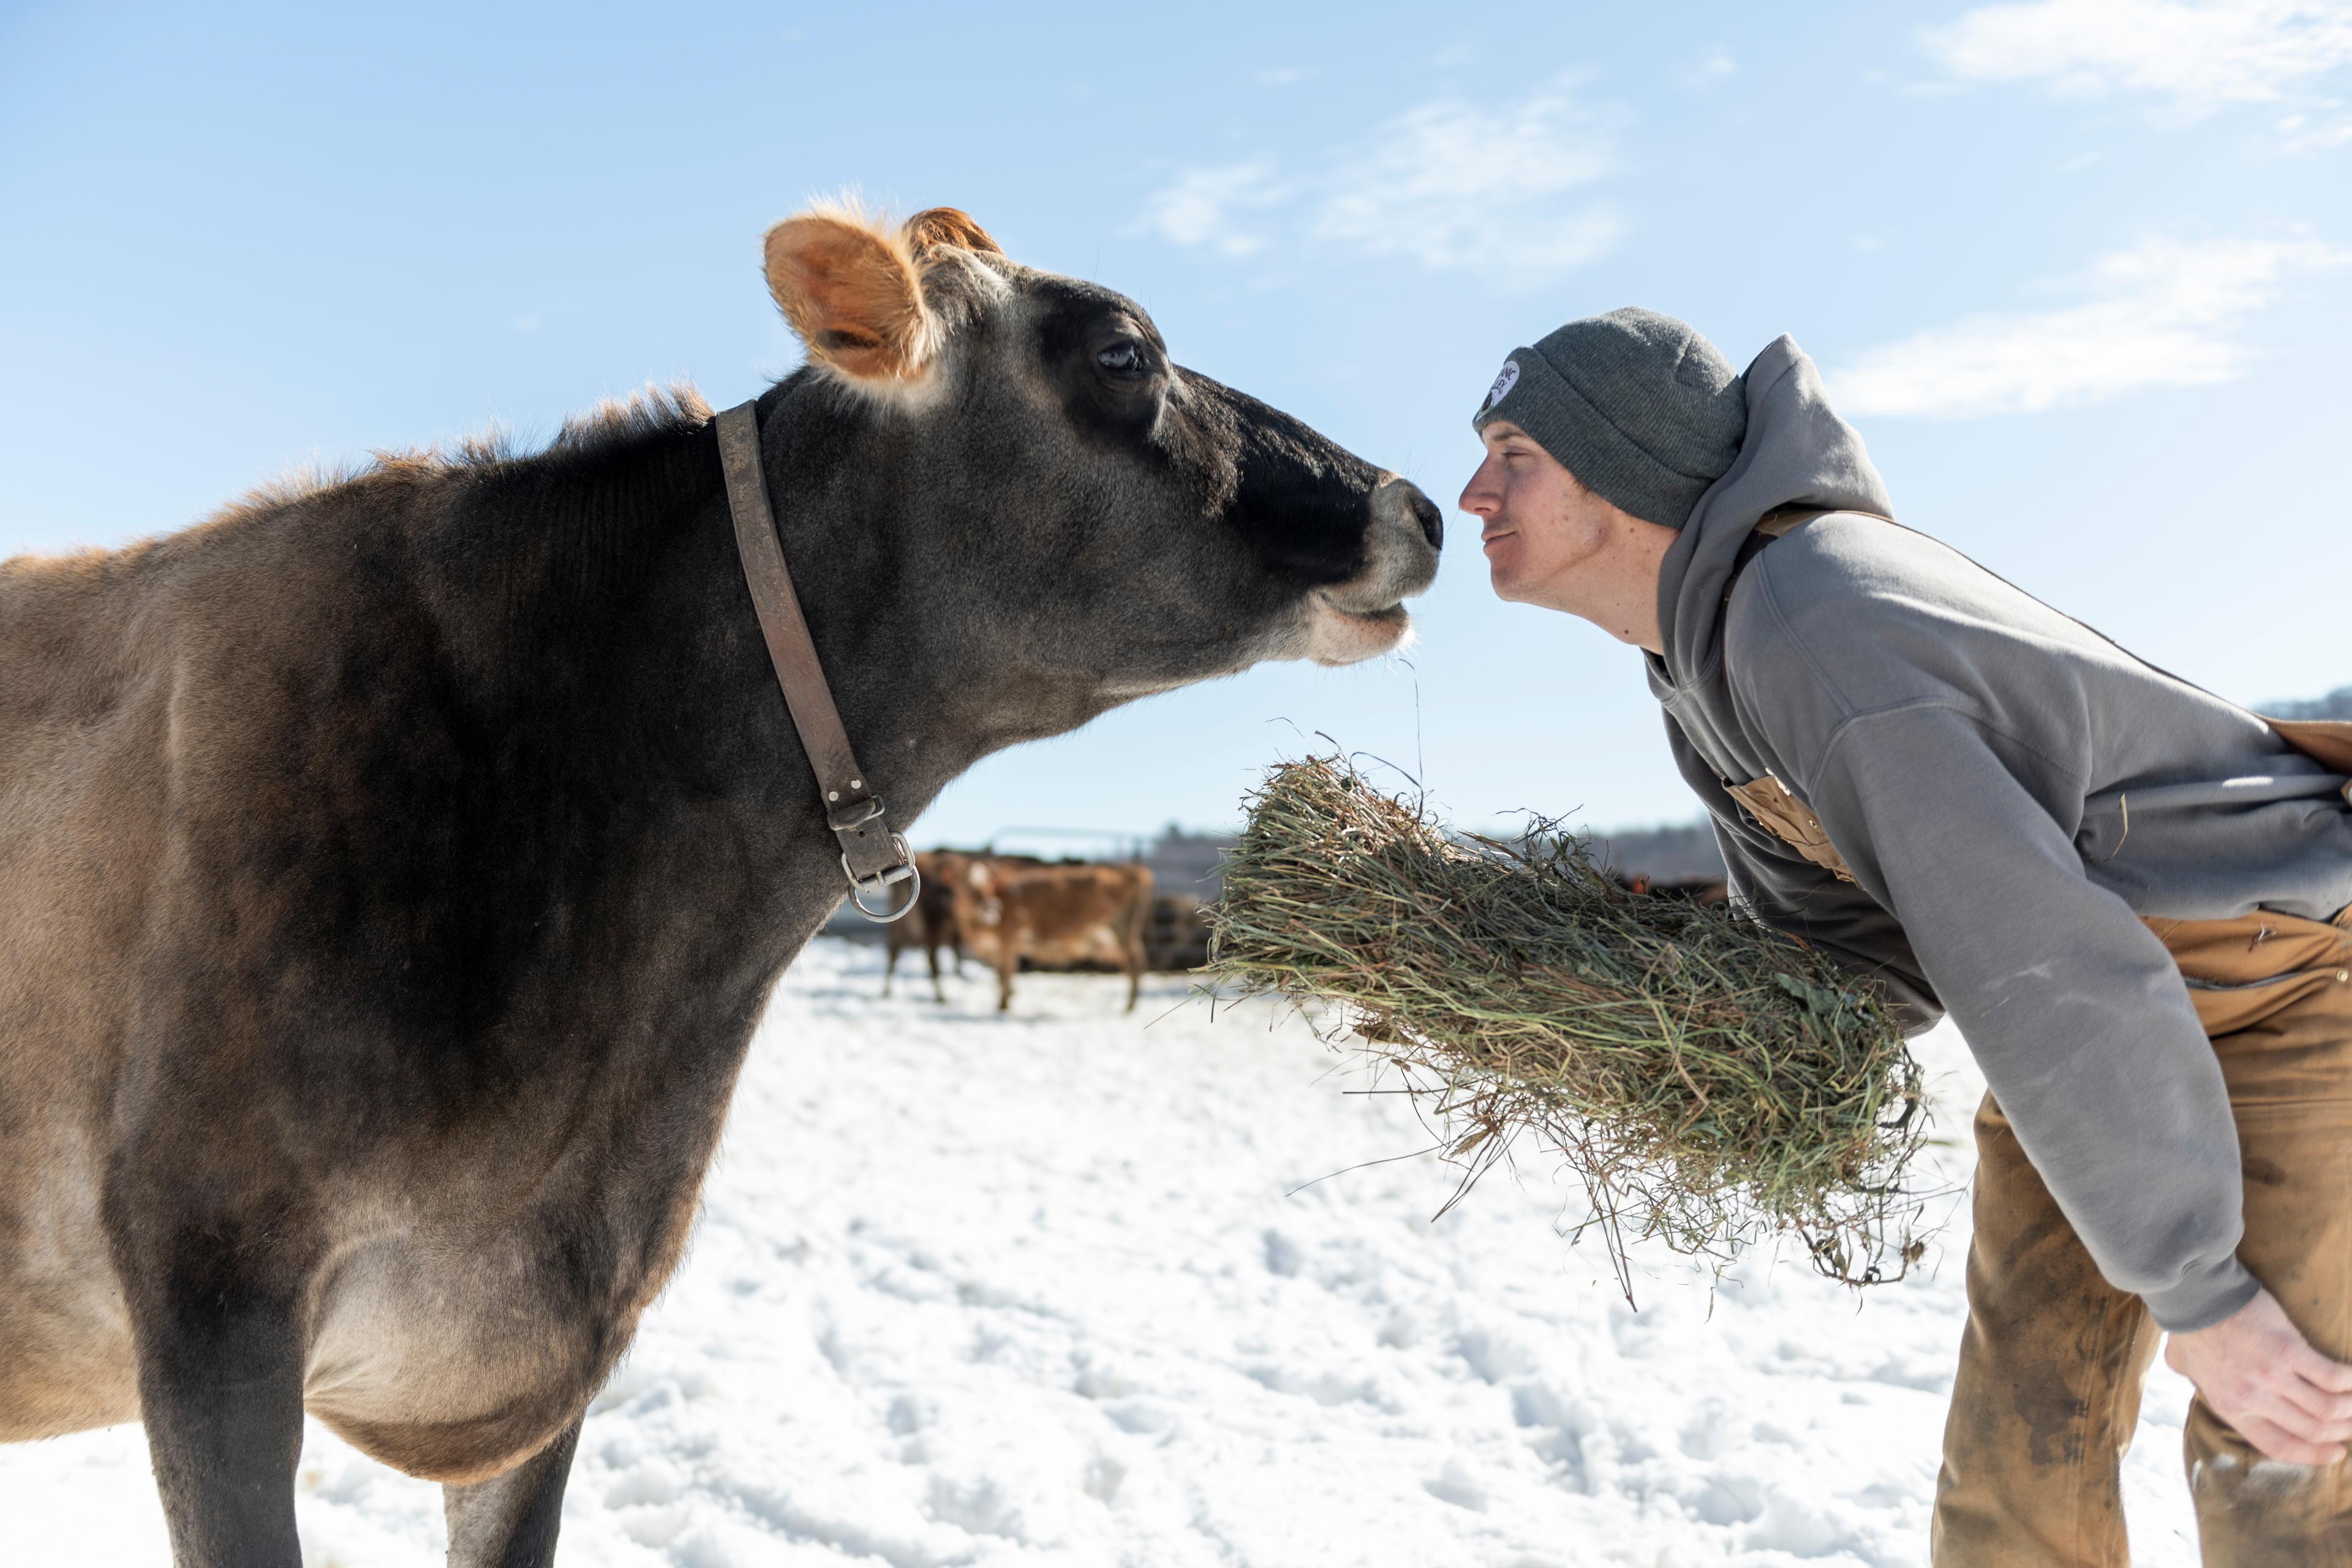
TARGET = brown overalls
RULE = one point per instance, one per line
(2054, 1358)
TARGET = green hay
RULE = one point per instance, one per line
(1710, 1081)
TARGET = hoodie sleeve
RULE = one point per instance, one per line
(2072, 1007)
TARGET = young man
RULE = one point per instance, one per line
(2131, 895)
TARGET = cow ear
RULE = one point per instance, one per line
(948, 225)
(850, 290)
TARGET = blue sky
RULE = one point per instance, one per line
(2081, 271)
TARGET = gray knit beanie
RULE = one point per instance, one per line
(1638, 406)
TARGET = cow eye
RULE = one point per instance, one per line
(1121, 359)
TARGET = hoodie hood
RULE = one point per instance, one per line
(1796, 452)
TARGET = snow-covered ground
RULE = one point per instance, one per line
(971, 1290)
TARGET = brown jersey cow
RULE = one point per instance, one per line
(1053, 915)
(931, 923)
(392, 870)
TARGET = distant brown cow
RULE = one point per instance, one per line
(931, 923)
(1053, 915)
(1691, 889)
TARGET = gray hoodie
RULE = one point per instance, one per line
(2012, 793)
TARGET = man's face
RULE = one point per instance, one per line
(1541, 525)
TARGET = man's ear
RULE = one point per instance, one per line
(851, 291)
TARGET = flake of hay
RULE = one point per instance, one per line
(1710, 1081)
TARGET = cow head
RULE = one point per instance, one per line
(1083, 520)
(979, 897)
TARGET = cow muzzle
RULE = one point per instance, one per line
(1365, 615)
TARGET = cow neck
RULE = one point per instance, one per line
(874, 858)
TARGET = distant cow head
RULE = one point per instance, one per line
(1087, 515)
(985, 904)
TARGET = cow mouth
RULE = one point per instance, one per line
(1393, 615)
(1344, 634)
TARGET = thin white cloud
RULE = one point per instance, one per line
(1213, 208)
(2163, 316)
(2309, 133)
(2193, 55)
(1711, 72)
(1453, 185)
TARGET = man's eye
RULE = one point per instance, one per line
(1121, 359)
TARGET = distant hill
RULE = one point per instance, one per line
(2336, 704)
(1686, 853)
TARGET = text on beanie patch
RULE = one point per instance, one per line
(1508, 379)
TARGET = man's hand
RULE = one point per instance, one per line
(2261, 1376)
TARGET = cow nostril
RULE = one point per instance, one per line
(1432, 521)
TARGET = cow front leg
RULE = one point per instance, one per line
(1136, 959)
(931, 952)
(510, 1521)
(220, 1391)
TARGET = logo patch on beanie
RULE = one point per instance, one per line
(1508, 379)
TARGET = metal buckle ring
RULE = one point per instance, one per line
(906, 871)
